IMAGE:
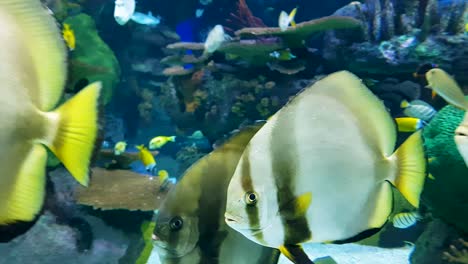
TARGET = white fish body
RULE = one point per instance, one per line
(146, 19)
(283, 21)
(123, 11)
(215, 38)
(199, 12)
(461, 139)
(421, 110)
(334, 141)
(405, 220)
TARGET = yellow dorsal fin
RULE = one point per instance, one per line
(48, 52)
(140, 147)
(292, 15)
(298, 206)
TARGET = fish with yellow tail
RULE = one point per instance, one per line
(445, 86)
(147, 159)
(163, 176)
(285, 20)
(160, 141)
(120, 147)
(69, 36)
(33, 62)
(409, 124)
(331, 143)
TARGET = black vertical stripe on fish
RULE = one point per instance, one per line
(284, 168)
(247, 186)
(210, 210)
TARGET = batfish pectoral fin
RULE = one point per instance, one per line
(411, 162)
(25, 200)
(297, 207)
(296, 254)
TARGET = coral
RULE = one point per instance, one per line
(187, 156)
(186, 46)
(121, 189)
(399, 36)
(455, 255)
(434, 240)
(93, 54)
(294, 36)
(243, 18)
(446, 195)
(393, 92)
(177, 71)
(288, 67)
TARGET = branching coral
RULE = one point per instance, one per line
(121, 189)
(243, 18)
(457, 255)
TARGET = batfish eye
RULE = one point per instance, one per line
(251, 198)
(176, 223)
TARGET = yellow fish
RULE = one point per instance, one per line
(409, 124)
(160, 141)
(33, 62)
(120, 147)
(163, 175)
(69, 36)
(147, 158)
(285, 20)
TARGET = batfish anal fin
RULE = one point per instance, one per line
(296, 254)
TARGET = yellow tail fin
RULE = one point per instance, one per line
(411, 162)
(77, 131)
(27, 192)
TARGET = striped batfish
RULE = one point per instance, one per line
(320, 169)
(190, 226)
(32, 78)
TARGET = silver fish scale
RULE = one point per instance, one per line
(420, 111)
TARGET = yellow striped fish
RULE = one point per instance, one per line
(445, 86)
(409, 124)
(32, 76)
(406, 219)
(321, 169)
(190, 227)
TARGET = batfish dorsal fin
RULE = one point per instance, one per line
(46, 47)
(352, 93)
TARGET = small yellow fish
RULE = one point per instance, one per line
(160, 141)
(409, 124)
(147, 158)
(120, 147)
(69, 36)
(163, 176)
